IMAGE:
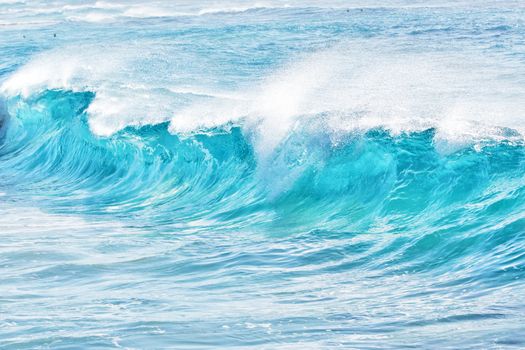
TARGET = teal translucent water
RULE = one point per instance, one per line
(266, 175)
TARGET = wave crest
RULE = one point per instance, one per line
(363, 180)
(349, 87)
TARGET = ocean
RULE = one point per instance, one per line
(262, 174)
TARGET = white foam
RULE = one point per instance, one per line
(93, 17)
(351, 90)
(353, 86)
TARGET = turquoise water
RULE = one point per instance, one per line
(267, 175)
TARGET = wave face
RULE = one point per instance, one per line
(262, 175)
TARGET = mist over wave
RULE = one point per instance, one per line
(359, 85)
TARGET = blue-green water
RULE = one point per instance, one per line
(267, 175)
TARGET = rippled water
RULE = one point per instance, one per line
(270, 175)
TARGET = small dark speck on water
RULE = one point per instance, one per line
(54, 35)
